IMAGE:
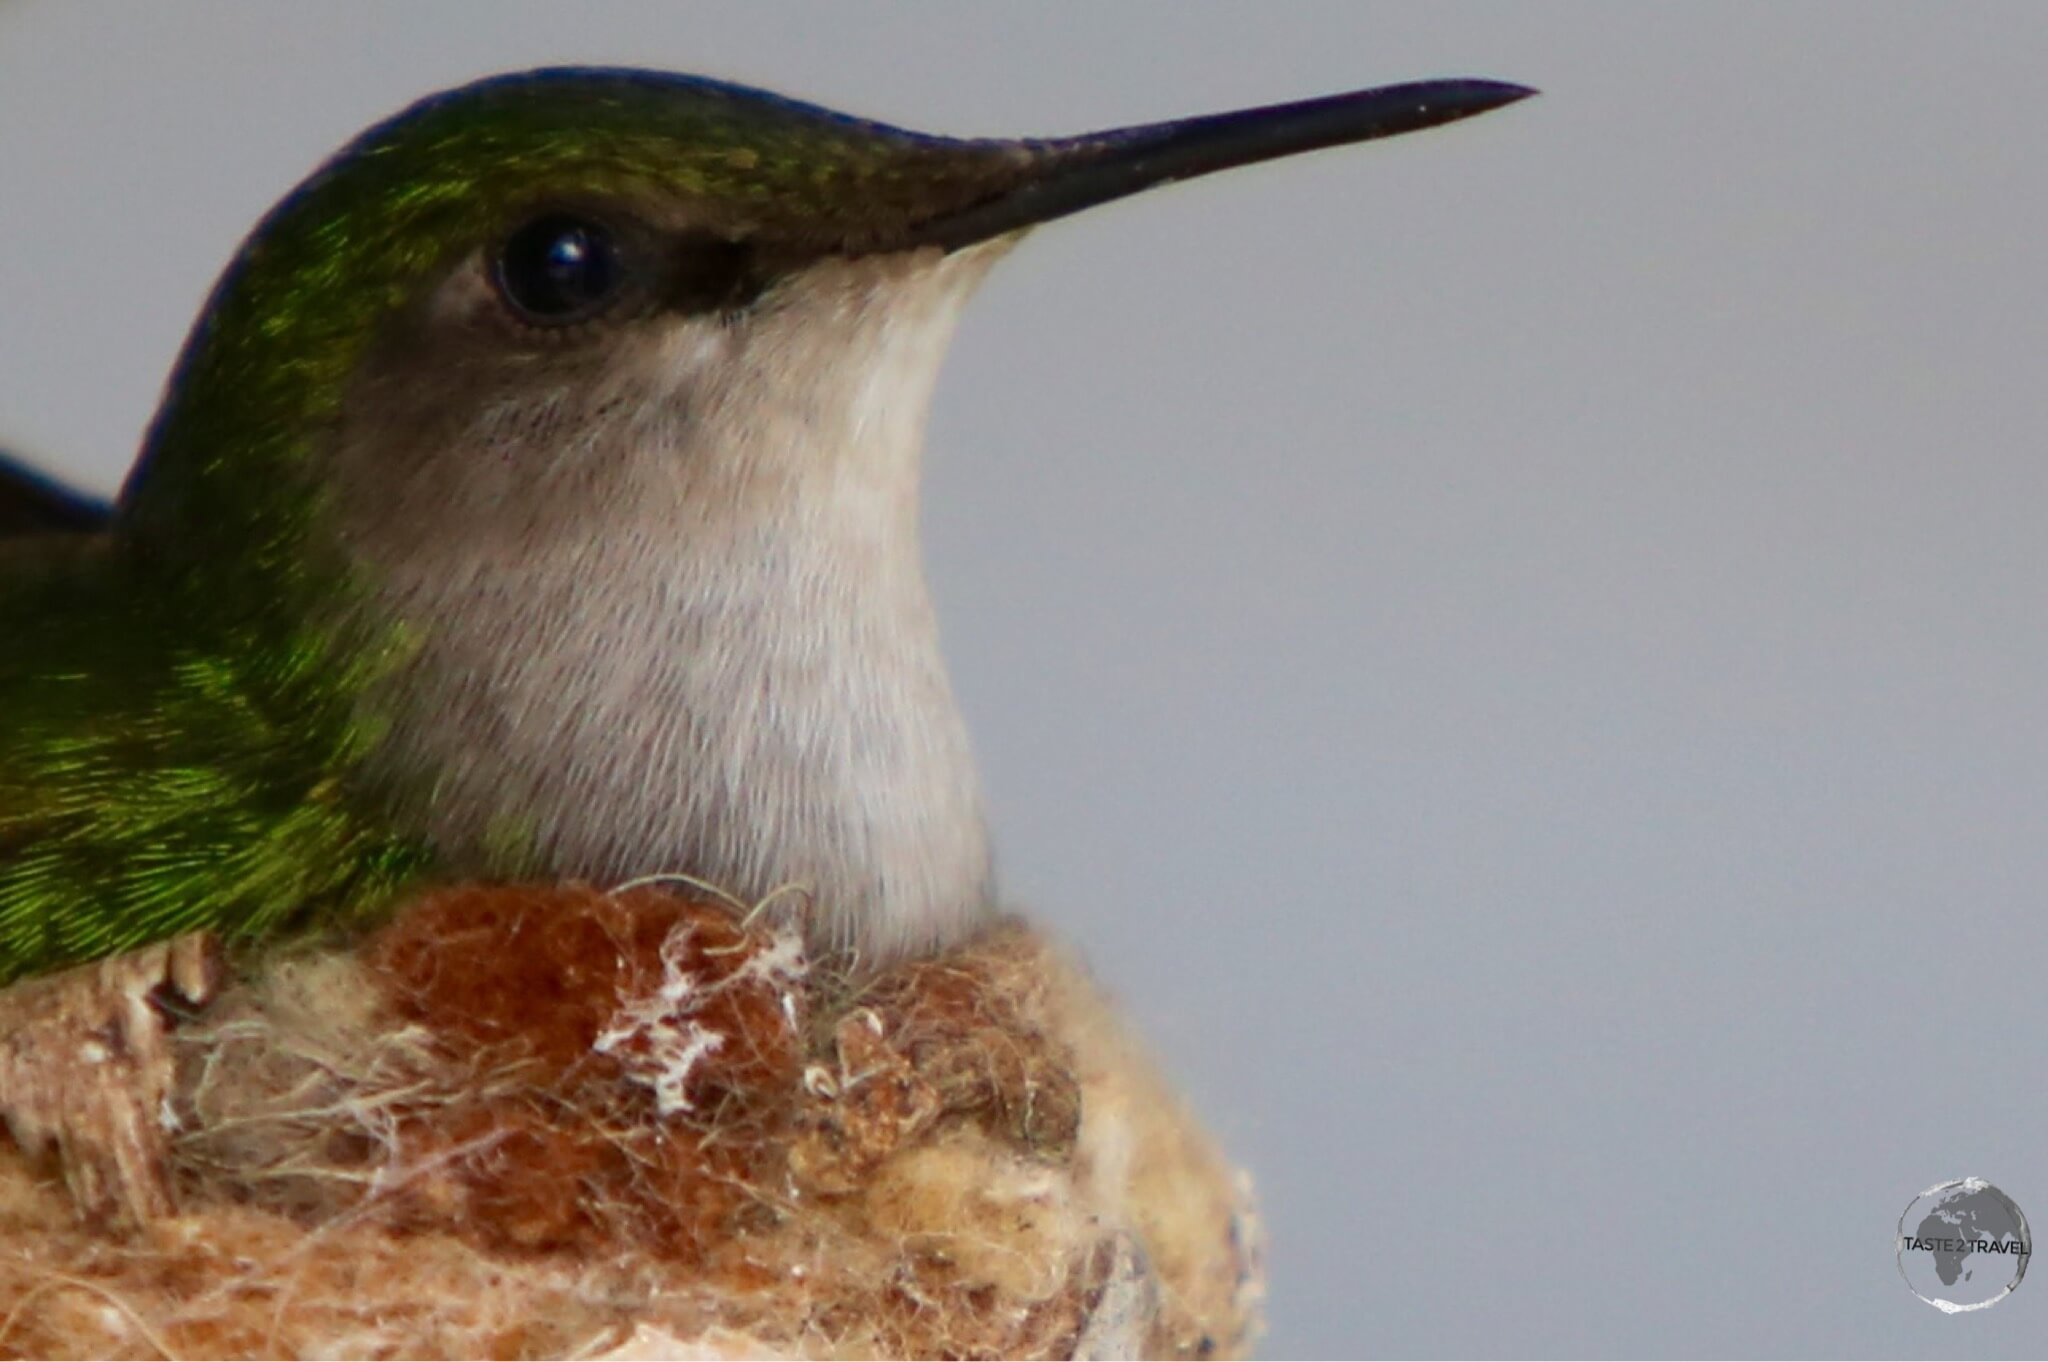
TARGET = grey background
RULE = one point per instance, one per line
(1518, 652)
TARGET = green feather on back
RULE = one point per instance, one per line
(152, 782)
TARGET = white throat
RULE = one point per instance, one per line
(685, 627)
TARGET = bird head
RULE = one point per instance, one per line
(502, 319)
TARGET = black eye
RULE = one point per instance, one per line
(558, 268)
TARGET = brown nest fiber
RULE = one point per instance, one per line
(558, 1121)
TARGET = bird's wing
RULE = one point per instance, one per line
(32, 502)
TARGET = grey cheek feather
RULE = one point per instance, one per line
(672, 614)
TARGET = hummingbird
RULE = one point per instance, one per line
(536, 495)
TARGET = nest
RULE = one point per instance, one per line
(564, 1122)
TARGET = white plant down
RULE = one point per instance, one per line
(658, 1038)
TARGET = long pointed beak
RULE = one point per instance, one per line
(1065, 175)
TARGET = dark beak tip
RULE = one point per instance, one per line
(1435, 102)
(1507, 92)
(1483, 96)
